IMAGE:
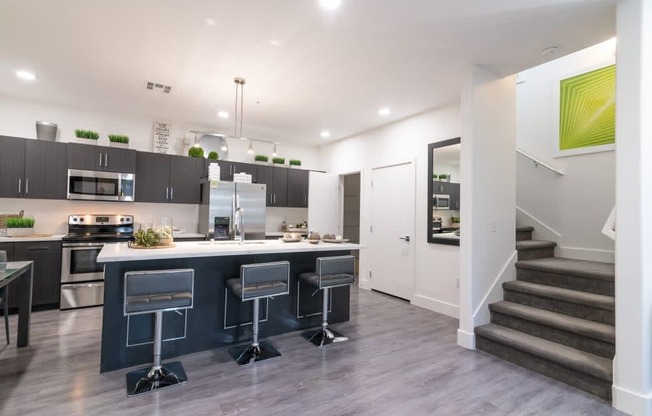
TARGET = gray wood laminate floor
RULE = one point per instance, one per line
(400, 360)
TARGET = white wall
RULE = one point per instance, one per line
(488, 215)
(632, 386)
(577, 204)
(436, 266)
(17, 118)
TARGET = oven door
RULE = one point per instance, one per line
(79, 262)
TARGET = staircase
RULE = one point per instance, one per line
(557, 317)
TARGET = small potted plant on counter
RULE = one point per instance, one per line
(213, 155)
(278, 161)
(19, 226)
(263, 159)
(196, 152)
(116, 140)
(444, 177)
(295, 162)
(86, 136)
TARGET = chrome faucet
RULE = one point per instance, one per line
(239, 224)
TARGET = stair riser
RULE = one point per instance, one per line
(601, 287)
(537, 253)
(523, 235)
(567, 308)
(600, 388)
(572, 339)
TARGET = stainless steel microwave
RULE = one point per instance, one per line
(101, 186)
(441, 201)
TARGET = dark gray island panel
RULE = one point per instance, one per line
(214, 308)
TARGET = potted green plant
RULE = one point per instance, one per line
(295, 162)
(213, 155)
(116, 140)
(444, 177)
(261, 158)
(19, 226)
(196, 152)
(86, 136)
(278, 160)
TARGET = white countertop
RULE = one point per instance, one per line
(450, 236)
(120, 252)
(54, 237)
(184, 234)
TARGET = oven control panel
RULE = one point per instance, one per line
(100, 219)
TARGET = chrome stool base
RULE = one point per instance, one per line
(248, 354)
(146, 380)
(324, 337)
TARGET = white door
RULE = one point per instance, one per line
(324, 203)
(391, 244)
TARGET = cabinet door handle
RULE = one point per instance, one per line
(171, 192)
(20, 185)
(106, 160)
(38, 248)
(274, 197)
(305, 199)
(26, 186)
(100, 159)
(167, 193)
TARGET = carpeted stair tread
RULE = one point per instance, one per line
(534, 244)
(583, 327)
(580, 361)
(581, 268)
(559, 293)
(524, 228)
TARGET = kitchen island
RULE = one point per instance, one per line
(218, 317)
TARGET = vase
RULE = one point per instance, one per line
(120, 145)
(86, 141)
(18, 232)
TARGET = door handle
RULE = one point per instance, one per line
(106, 160)
(171, 193)
(20, 183)
(167, 193)
(26, 186)
(100, 159)
(406, 238)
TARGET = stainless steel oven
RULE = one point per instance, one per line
(441, 201)
(100, 186)
(82, 277)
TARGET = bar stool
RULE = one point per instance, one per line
(262, 280)
(156, 292)
(3, 298)
(330, 272)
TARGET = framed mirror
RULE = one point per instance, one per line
(444, 192)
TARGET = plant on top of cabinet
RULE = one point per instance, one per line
(443, 177)
(261, 158)
(295, 162)
(213, 155)
(117, 140)
(87, 136)
(196, 152)
(278, 160)
(19, 226)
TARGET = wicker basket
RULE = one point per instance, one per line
(3, 226)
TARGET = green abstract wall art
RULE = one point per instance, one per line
(587, 109)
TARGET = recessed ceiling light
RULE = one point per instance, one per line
(25, 75)
(325, 134)
(330, 4)
(210, 22)
(274, 42)
(222, 114)
(384, 111)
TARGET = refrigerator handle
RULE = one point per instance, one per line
(233, 207)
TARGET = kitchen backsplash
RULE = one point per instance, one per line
(52, 215)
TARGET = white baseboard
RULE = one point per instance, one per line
(605, 256)
(435, 305)
(466, 339)
(631, 403)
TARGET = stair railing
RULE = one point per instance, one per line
(609, 228)
(538, 162)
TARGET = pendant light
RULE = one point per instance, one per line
(250, 150)
(274, 153)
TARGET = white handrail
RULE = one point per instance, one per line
(538, 162)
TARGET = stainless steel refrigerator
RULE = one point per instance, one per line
(219, 203)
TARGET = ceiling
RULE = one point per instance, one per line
(330, 69)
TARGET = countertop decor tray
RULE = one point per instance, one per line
(133, 245)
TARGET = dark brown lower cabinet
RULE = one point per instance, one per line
(46, 256)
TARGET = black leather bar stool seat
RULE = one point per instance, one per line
(330, 272)
(257, 281)
(156, 292)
